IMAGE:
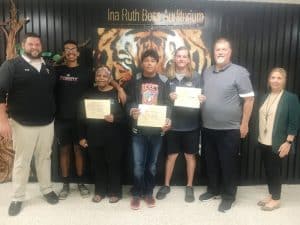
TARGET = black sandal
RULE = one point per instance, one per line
(114, 199)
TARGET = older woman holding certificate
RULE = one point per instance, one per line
(100, 116)
(184, 90)
(278, 126)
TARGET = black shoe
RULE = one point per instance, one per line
(189, 194)
(63, 194)
(225, 205)
(162, 192)
(207, 197)
(51, 198)
(14, 208)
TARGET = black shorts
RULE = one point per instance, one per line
(183, 141)
(66, 132)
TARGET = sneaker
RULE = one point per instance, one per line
(51, 198)
(162, 192)
(14, 208)
(225, 205)
(84, 191)
(207, 197)
(189, 194)
(135, 203)
(150, 201)
(63, 194)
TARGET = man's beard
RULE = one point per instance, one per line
(220, 60)
(33, 56)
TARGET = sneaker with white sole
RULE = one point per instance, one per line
(63, 194)
(84, 191)
(207, 196)
(189, 194)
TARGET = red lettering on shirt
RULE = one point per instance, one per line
(149, 93)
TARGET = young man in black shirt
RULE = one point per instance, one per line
(149, 89)
(72, 81)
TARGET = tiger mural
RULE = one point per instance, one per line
(121, 49)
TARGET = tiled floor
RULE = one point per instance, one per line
(173, 210)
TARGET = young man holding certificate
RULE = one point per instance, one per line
(100, 115)
(147, 106)
(183, 88)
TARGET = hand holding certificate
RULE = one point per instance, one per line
(96, 108)
(152, 115)
(187, 97)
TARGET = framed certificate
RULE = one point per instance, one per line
(97, 108)
(187, 97)
(152, 115)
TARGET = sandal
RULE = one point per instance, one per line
(264, 201)
(114, 199)
(97, 198)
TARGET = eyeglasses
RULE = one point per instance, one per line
(70, 49)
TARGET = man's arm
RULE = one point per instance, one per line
(247, 110)
(121, 93)
(6, 71)
(5, 129)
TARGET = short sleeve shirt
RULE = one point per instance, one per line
(224, 91)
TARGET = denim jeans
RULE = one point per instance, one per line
(145, 153)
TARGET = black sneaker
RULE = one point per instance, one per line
(84, 191)
(207, 197)
(162, 192)
(14, 208)
(189, 194)
(51, 198)
(225, 205)
(63, 194)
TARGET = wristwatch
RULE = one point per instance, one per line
(290, 142)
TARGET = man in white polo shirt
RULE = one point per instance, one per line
(225, 113)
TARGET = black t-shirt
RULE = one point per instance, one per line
(99, 131)
(145, 90)
(71, 83)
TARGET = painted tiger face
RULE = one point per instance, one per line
(121, 49)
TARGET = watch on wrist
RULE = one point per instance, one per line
(290, 142)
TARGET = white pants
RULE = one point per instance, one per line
(29, 141)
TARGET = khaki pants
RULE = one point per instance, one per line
(29, 141)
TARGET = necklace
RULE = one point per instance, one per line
(269, 104)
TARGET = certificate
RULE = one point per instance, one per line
(187, 97)
(96, 108)
(152, 115)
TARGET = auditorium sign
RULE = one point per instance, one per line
(167, 17)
